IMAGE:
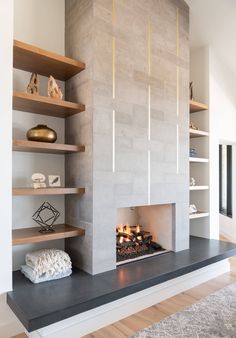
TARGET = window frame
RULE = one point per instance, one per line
(228, 212)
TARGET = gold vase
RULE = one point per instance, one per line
(41, 133)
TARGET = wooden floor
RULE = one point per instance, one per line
(128, 326)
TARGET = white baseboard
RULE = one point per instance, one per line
(92, 320)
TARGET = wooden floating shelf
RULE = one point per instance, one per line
(32, 235)
(198, 159)
(199, 214)
(43, 105)
(44, 147)
(36, 60)
(193, 133)
(46, 191)
(195, 106)
(198, 187)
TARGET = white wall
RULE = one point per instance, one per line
(41, 23)
(199, 74)
(223, 104)
(6, 20)
(215, 82)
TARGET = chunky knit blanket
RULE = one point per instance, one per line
(48, 263)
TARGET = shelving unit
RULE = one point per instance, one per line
(195, 106)
(33, 59)
(198, 187)
(43, 105)
(46, 191)
(198, 165)
(44, 147)
(197, 133)
(40, 61)
(200, 214)
(32, 235)
(198, 159)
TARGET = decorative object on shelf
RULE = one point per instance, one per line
(54, 91)
(33, 86)
(192, 209)
(191, 91)
(54, 180)
(46, 216)
(42, 133)
(192, 152)
(192, 182)
(192, 126)
(46, 264)
(38, 181)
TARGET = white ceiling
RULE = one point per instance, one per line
(213, 22)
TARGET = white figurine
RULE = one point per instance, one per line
(192, 182)
(38, 181)
(192, 209)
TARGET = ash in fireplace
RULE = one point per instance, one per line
(133, 242)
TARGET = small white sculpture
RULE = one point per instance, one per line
(192, 182)
(38, 181)
(192, 209)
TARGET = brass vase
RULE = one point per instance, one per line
(41, 133)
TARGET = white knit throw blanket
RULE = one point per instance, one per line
(48, 262)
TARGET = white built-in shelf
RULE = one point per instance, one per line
(198, 159)
(198, 187)
(199, 214)
(197, 133)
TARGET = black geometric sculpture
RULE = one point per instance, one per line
(46, 216)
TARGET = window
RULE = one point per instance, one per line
(225, 175)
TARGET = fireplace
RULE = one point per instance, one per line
(143, 231)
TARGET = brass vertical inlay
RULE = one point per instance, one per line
(149, 110)
(113, 88)
(177, 90)
(149, 86)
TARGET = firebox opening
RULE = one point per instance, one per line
(143, 231)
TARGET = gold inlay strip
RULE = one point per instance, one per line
(113, 87)
(177, 90)
(149, 86)
(113, 67)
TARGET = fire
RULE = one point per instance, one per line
(138, 228)
(121, 240)
(121, 228)
(139, 238)
(127, 230)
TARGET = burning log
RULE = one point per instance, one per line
(132, 242)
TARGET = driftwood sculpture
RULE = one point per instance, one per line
(191, 91)
(54, 91)
(33, 86)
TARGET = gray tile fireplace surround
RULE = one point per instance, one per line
(136, 124)
(40, 305)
